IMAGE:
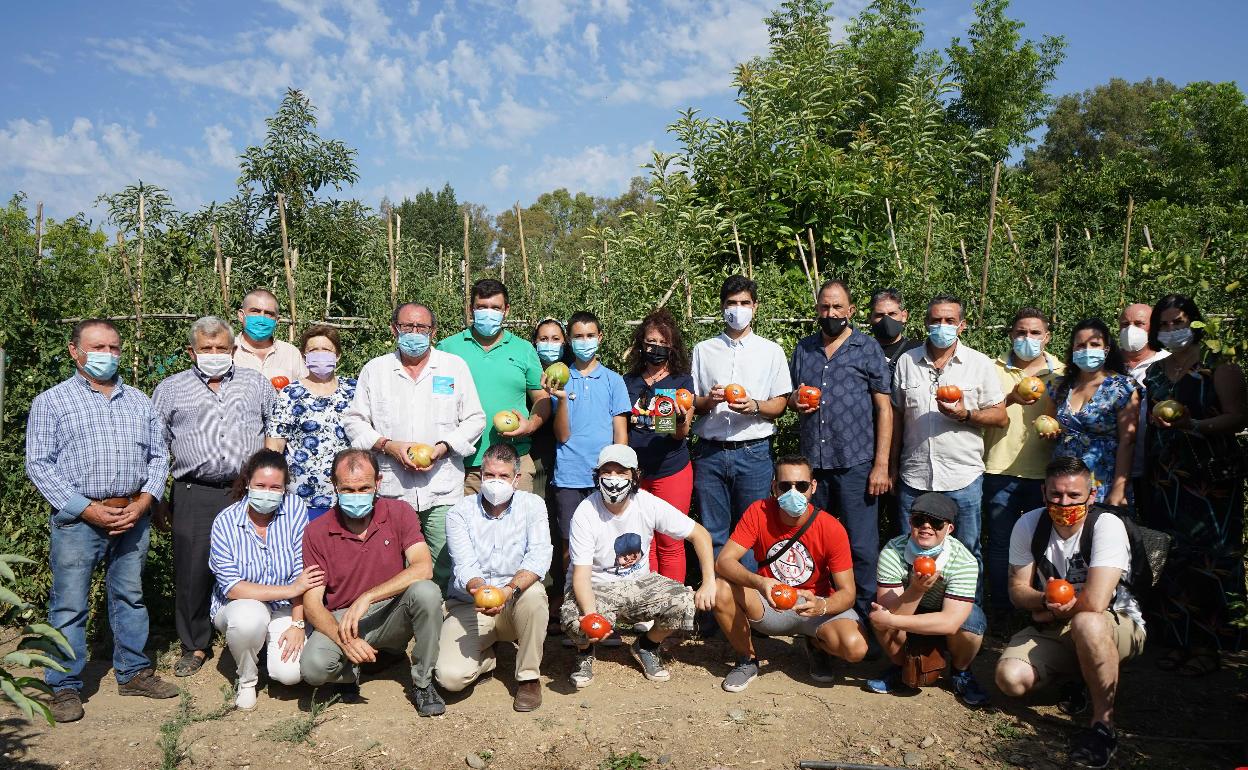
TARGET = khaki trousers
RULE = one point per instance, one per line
(466, 650)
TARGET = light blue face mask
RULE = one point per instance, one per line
(1089, 359)
(1028, 348)
(413, 344)
(913, 551)
(487, 321)
(549, 352)
(792, 502)
(263, 501)
(259, 327)
(942, 335)
(356, 505)
(584, 350)
(101, 366)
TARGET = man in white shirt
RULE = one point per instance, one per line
(418, 408)
(1137, 356)
(938, 446)
(257, 347)
(733, 464)
(609, 544)
(1088, 635)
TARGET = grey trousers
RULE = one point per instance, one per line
(388, 625)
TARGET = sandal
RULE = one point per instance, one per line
(1201, 664)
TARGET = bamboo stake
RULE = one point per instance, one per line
(992, 216)
(736, 239)
(220, 265)
(927, 245)
(1126, 251)
(966, 263)
(329, 287)
(1088, 238)
(606, 263)
(892, 235)
(749, 258)
(286, 260)
(467, 273)
(440, 276)
(801, 252)
(814, 258)
(39, 231)
(1205, 249)
(394, 275)
(666, 296)
(125, 265)
(524, 252)
(1009, 232)
(1057, 254)
(688, 298)
(138, 285)
(398, 248)
(502, 272)
(1148, 238)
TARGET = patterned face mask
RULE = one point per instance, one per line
(1067, 515)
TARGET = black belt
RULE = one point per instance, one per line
(735, 444)
(207, 483)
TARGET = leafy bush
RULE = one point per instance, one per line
(38, 645)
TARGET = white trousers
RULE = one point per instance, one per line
(249, 626)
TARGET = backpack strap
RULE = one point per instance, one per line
(1089, 527)
(1040, 544)
(792, 541)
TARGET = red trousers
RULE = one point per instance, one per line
(667, 554)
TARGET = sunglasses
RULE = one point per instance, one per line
(785, 486)
(919, 519)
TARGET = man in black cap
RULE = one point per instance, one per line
(941, 603)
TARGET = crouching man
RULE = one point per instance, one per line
(1091, 633)
(377, 595)
(940, 604)
(610, 538)
(498, 537)
(800, 547)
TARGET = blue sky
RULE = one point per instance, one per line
(504, 100)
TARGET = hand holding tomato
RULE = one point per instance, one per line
(925, 566)
(806, 399)
(1060, 597)
(782, 596)
(954, 410)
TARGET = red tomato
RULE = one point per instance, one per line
(595, 626)
(808, 396)
(784, 596)
(734, 394)
(684, 398)
(1059, 592)
(280, 382)
(925, 565)
(949, 393)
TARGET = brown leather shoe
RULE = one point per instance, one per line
(528, 695)
(66, 706)
(148, 685)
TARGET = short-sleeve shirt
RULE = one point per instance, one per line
(822, 550)
(311, 425)
(1110, 548)
(938, 453)
(1017, 450)
(959, 572)
(659, 454)
(504, 375)
(842, 433)
(754, 363)
(594, 399)
(618, 547)
(352, 564)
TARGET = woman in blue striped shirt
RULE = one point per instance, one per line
(257, 558)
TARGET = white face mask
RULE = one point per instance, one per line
(214, 364)
(738, 317)
(497, 491)
(1132, 339)
(1176, 338)
(614, 488)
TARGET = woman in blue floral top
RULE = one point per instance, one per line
(306, 420)
(1097, 406)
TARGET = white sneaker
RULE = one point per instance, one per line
(246, 698)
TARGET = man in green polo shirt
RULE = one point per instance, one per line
(508, 376)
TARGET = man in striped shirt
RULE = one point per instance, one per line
(94, 450)
(214, 419)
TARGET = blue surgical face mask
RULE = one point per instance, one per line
(913, 550)
(584, 350)
(1028, 348)
(356, 505)
(263, 501)
(1089, 359)
(100, 365)
(413, 344)
(942, 335)
(549, 352)
(792, 502)
(487, 321)
(259, 327)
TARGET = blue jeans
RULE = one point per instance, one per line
(842, 492)
(76, 549)
(726, 482)
(1005, 499)
(965, 525)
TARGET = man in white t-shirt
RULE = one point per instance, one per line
(1088, 635)
(609, 544)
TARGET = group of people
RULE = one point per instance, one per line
(469, 492)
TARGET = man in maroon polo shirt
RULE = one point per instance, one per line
(377, 593)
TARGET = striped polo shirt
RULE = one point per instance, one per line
(239, 554)
(959, 572)
(211, 434)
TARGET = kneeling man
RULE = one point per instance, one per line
(941, 604)
(499, 537)
(800, 546)
(378, 594)
(1088, 635)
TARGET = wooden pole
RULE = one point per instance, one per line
(1205, 249)
(467, 275)
(927, 245)
(814, 258)
(125, 266)
(39, 231)
(329, 286)
(992, 216)
(736, 239)
(1009, 233)
(394, 275)
(749, 258)
(290, 272)
(220, 264)
(1148, 238)
(966, 263)
(398, 249)
(524, 252)
(502, 270)
(801, 252)
(440, 276)
(892, 235)
(1126, 252)
(688, 298)
(1057, 255)
(666, 296)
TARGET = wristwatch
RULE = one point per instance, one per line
(515, 589)
(298, 624)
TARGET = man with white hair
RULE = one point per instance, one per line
(214, 419)
(257, 347)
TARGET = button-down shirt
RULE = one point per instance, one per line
(938, 453)
(281, 360)
(842, 433)
(754, 363)
(1138, 373)
(439, 405)
(495, 548)
(82, 445)
(212, 433)
(239, 554)
(1017, 450)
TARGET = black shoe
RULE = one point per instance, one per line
(347, 693)
(428, 702)
(189, 663)
(66, 706)
(1094, 747)
(1074, 699)
(821, 669)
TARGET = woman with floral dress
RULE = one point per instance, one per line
(1097, 406)
(306, 420)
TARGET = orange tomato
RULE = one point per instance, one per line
(280, 382)
(595, 626)
(784, 596)
(488, 597)
(1059, 592)
(684, 398)
(808, 396)
(1029, 388)
(924, 565)
(734, 394)
(949, 393)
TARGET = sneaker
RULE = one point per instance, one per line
(528, 695)
(66, 706)
(966, 687)
(148, 685)
(1094, 747)
(583, 671)
(651, 663)
(246, 698)
(888, 682)
(820, 662)
(741, 675)
(428, 702)
(1074, 699)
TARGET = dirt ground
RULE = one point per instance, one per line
(623, 722)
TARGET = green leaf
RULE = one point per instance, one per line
(48, 632)
(8, 597)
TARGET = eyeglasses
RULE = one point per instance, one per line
(414, 328)
(919, 519)
(785, 486)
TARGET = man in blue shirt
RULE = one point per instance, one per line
(499, 539)
(848, 433)
(95, 450)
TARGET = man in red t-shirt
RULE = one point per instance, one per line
(818, 564)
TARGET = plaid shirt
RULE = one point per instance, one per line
(82, 445)
(211, 434)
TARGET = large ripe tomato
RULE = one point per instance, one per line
(1059, 592)
(949, 393)
(421, 455)
(684, 398)
(924, 565)
(808, 396)
(280, 382)
(595, 626)
(488, 597)
(1030, 388)
(784, 596)
(1047, 426)
(734, 394)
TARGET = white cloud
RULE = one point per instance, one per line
(598, 170)
(617, 9)
(518, 120)
(469, 68)
(151, 120)
(44, 62)
(590, 36)
(546, 17)
(508, 60)
(220, 151)
(501, 177)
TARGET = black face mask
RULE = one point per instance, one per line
(887, 329)
(833, 326)
(656, 354)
